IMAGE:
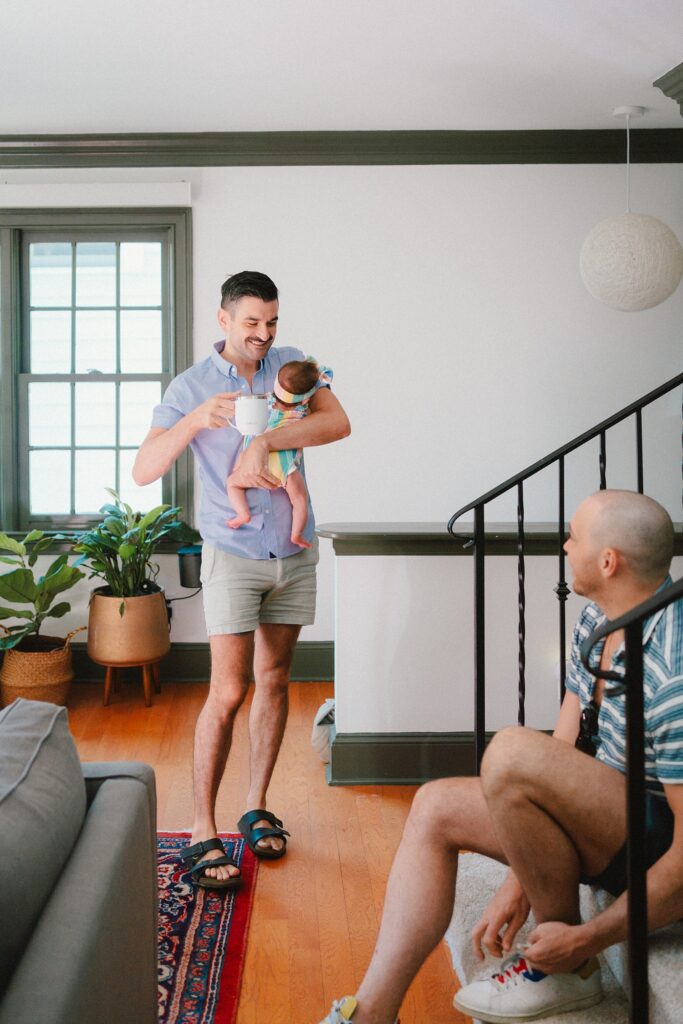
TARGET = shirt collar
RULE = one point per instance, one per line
(650, 624)
(225, 367)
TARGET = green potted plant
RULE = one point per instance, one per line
(34, 666)
(128, 622)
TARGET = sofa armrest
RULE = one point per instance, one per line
(92, 956)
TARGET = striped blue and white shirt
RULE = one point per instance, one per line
(662, 692)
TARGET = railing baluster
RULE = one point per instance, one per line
(562, 590)
(521, 604)
(635, 788)
(479, 638)
(603, 461)
(639, 448)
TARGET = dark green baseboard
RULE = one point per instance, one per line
(400, 759)
(191, 663)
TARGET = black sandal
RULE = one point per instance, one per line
(252, 835)
(192, 855)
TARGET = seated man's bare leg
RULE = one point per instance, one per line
(238, 500)
(297, 492)
(446, 816)
(557, 813)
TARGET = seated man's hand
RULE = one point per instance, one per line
(504, 916)
(251, 469)
(556, 947)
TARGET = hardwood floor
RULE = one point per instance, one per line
(317, 911)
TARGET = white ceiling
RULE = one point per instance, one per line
(286, 65)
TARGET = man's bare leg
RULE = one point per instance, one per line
(275, 645)
(231, 660)
(447, 815)
(572, 805)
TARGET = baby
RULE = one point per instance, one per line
(295, 384)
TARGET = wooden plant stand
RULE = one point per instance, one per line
(150, 677)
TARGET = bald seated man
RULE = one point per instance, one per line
(554, 813)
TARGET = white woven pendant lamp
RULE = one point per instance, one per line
(632, 261)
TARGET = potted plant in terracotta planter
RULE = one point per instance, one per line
(35, 666)
(128, 622)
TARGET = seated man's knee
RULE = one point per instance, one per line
(435, 808)
(506, 758)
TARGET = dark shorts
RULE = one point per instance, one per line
(659, 833)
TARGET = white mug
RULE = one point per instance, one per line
(251, 414)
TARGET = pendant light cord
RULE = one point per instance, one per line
(628, 164)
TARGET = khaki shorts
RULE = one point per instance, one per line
(240, 593)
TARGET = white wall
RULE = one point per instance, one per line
(448, 301)
(405, 653)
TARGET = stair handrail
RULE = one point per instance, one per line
(565, 449)
(478, 541)
(631, 682)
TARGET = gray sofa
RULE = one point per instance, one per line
(78, 882)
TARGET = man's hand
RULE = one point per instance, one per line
(556, 947)
(215, 411)
(251, 469)
(508, 910)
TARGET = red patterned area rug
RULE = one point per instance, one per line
(202, 936)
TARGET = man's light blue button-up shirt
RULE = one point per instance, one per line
(216, 451)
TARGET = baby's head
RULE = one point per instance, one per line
(296, 382)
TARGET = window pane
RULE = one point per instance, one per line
(49, 415)
(50, 342)
(142, 499)
(95, 341)
(95, 414)
(141, 273)
(96, 274)
(141, 341)
(95, 470)
(50, 273)
(138, 398)
(50, 483)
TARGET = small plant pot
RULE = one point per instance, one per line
(137, 637)
(38, 668)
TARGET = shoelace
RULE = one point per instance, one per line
(512, 973)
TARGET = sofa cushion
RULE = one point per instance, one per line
(42, 807)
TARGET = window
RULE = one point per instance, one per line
(95, 316)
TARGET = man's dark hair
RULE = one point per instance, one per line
(247, 282)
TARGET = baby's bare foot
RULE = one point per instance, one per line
(238, 521)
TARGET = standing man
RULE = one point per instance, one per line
(553, 814)
(258, 588)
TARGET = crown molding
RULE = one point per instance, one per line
(671, 85)
(241, 149)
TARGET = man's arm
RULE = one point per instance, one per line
(567, 724)
(326, 422)
(161, 447)
(561, 947)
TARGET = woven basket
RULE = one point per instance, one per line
(43, 673)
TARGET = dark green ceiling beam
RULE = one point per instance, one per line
(235, 149)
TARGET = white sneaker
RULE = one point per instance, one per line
(342, 1011)
(519, 993)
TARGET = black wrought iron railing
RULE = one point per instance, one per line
(631, 682)
(561, 589)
